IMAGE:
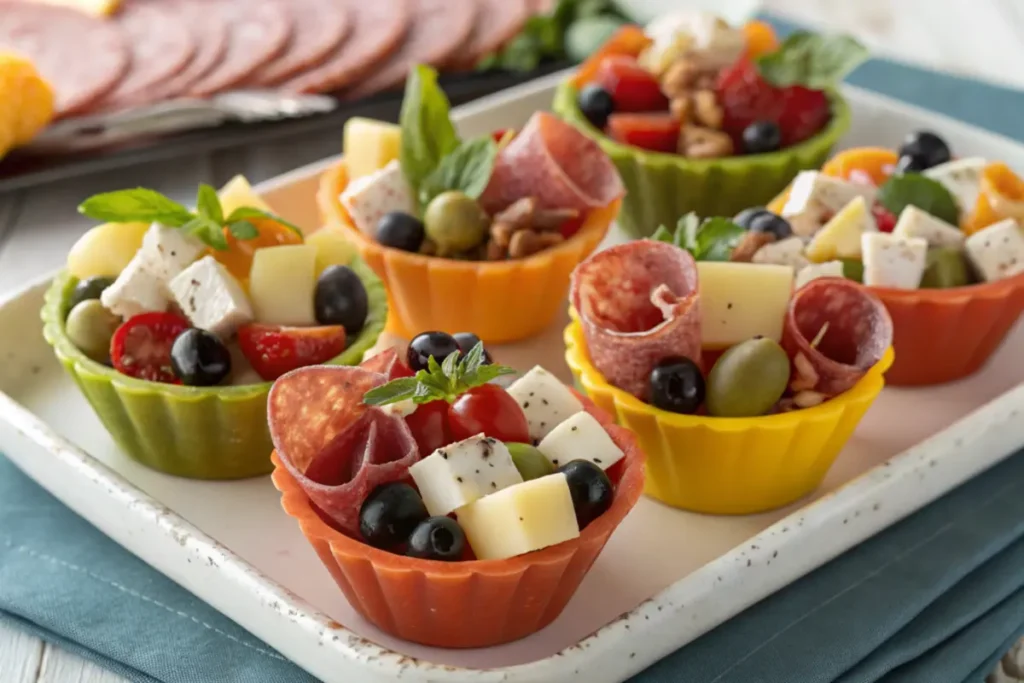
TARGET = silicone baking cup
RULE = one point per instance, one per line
(194, 432)
(465, 604)
(730, 466)
(500, 302)
(663, 187)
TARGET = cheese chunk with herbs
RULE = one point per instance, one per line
(369, 198)
(581, 437)
(817, 270)
(893, 261)
(136, 290)
(815, 197)
(460, 473)
(211, 298)
(545, 401)
(840, 237)
(529, 516)
(168, 251)
(739, 301)
(962, 177)
(282, 282)
(369, 146)
(915, 222)
(787, 252)
(997, 251)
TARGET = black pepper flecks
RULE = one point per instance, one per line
(444, 454)
(574, 428)
(597, 461)
(526, 404)
(493, 485)
(458, 479)
(544, 401)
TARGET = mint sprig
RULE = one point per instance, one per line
(439, 382)
(812, 60)
(712, 240)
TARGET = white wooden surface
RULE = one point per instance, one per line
(977, 38)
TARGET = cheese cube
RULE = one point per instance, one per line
(282, 283)
(136, 290)
(893, 261)
(962, 177)
(460, 473)
(840, 238)
(238, 193)
(545, 401)
(816, 270)
(997, 252)
(814, 197)
(211, 298)
(742, 300)
(581, 437)
(168, 251)
(520, 519)
(787, 252)
(367, 199)
(914, 222)
(369, 145)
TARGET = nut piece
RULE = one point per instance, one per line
(708, 112)
(749, 244)
(524, 243)
(705, 143)
(519, 214)
(496, 252)
(681, 107)
(680, 78)
(547, 220)
(501, 233)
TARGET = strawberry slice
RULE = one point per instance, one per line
(632, 87)
(656, 132)
(274, 350)
(141, 347)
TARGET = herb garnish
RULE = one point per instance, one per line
(711, 240)
(812, 60)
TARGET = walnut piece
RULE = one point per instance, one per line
(680, 78)
(704, 143)
(749, 244)
(681, 108)
(707, 110)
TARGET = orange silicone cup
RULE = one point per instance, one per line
(500, 301)
(465, 604)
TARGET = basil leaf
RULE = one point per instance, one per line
(208, 203)
(243, 230)
(716, 239)
(474, 359)
(467, 169)
(914, 189)
(662, 235)
(812, 60)
(686, 231)
(244, 212)
(450, 364)
(208, 231)
(486, 373)
(427, 131)
(138, 205)
(392, 392)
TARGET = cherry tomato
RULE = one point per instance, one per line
(656, 132)
(491, 410)
(387, 363)
(429, 425)
(632, 87)
(141, 347)
(273, 350)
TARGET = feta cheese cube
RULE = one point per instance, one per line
(520, 519)
(368, 198)
(787, 252)
(840, 237)
(915, 222)
(742, 300)
(962, 177)
(581, 437)
(997, 251)
(815, 197)
(136, 290)
(211, 298)
(168, 251)
(545, 401)
(282, 284)
(460, 473)
(701, 36)
(893, 261)
(816, 270)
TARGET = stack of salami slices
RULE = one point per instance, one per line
(155, 50)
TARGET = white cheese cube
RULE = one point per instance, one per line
(815, 197)
(997, 252)
(742, 300)
(893, 261)
(168, 251)
(368, 198)
(962, 177)
(787, 252)
(817, 270)
(581, 437)
(136, 290)
(914, 222)
(460, 473)
(545, 401)
(211, 298)
(282, 284)
(520, 519)
(840, 237)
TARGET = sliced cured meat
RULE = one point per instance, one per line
(638, 303)
(555, 163)
(835, 331)
(376, 30)
(82, 57)
(439, 28)
(321, 26)
(258, 31)
(388, 364)
(497, 22)
(337, 448)
(210, 33)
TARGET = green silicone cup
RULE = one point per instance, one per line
(193, 432)
(662, 187)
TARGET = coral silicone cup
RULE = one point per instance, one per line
(465, 604)
(500, 302)
(730, 466)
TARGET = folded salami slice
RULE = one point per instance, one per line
(337, 448)
(639, 303)
(555, 163)
(834, 332)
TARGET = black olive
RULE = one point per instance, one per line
(745, 217)
(440, 345)
(89, 288)
(389, 515)
(776, 225)
(762, 137)
(677, 385)
(922, 150)
(340, 299)
(596, 105)
(199, 358)
(591, 489)
(466, 342)
(400, 231)
(437, 538)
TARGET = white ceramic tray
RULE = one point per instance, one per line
(665, 577)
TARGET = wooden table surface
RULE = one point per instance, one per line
(977, 38)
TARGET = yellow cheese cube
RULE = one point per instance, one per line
(282, 283)
(332, 249)
(238, 192)
(520, 519)
(742, 300)
(840, 237)
(106, 249)
(369, 145)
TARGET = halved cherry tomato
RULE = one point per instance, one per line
(429, 426)
(656, 132)
(884, 218)
(141, 347)
(629, 40)
(388, 364)
(491, 410)
(632, 87)
(273, 350)
(237, 258)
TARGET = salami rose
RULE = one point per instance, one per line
(638, 303)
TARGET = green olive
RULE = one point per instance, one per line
(90, 326)
(748, 379)
(945, 268)
(531, 463)
(89, 288)
(455, 222)
(853, 269)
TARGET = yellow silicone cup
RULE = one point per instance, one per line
(730, 466)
